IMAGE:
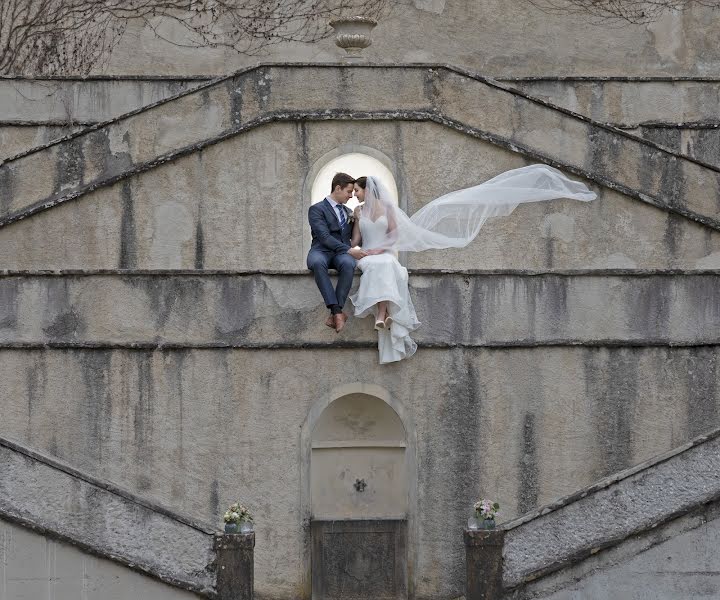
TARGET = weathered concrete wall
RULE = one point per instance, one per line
(490, 36)
(34, 112)
(81, 101)
(679, 115)
(595, 371)
(700, 142)
(608, 512)
(54, 499)
(15, 139)
(195, 428)
(221, 110)
(286, 310)
(648, 532)
(37, 111)
(679, 560)
(629, 103)
(222, 208)
(35, 566)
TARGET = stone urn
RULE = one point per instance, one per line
(353, 34)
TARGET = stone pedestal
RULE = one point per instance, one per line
(483, 560)
(235, 566)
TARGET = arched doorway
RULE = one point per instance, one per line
(359, 481)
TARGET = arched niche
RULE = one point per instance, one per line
(356, 160)
(359, 418)
(358, 464)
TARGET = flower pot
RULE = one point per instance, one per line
(487, 524)
(232, 528)
(476, 522)
(246, 526)
(352, 34)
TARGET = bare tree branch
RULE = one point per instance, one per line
(621, 11)
(74, 36)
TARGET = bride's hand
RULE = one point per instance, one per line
(356, 212)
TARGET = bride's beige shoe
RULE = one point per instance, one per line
(388, 322)
(380, 324)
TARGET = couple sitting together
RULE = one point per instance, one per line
(371, 236)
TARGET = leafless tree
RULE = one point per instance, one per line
(73, 36)
(621, 11)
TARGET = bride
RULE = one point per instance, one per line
(451, 221)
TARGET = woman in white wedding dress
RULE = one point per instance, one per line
(383, 290)
(451, 221)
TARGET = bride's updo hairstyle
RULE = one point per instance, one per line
(362, 182)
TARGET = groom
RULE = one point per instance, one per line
(331, 232)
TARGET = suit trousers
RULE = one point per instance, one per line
(318, 261)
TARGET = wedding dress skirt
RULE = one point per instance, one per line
(385, 279)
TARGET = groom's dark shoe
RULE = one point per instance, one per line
(339, 321)
(330, 322)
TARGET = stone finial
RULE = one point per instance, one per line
(353, 34)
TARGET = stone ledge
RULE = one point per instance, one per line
(602, 272)
(639, 499)
(286, 311)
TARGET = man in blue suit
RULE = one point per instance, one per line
(331, 232)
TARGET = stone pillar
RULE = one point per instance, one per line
(235, 566)
(484, 562)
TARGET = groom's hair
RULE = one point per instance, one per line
(341, 179)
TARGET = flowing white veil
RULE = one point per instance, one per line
(455, 219)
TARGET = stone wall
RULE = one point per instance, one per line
(650, 531)
(177, 346)
(57, 500)
(195, 428)
(492, 36)
(677, 113)
(36, 111)
(34, 566)
(677, 561)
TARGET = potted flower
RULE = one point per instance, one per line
(238, 519)
(484, 516)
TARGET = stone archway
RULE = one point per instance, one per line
(360, 476)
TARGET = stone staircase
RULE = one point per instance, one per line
(211, 112)
(648, 531)
(56, 501)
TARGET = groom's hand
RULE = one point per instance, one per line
(357, 253)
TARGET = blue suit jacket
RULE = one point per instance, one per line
(327, 235)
